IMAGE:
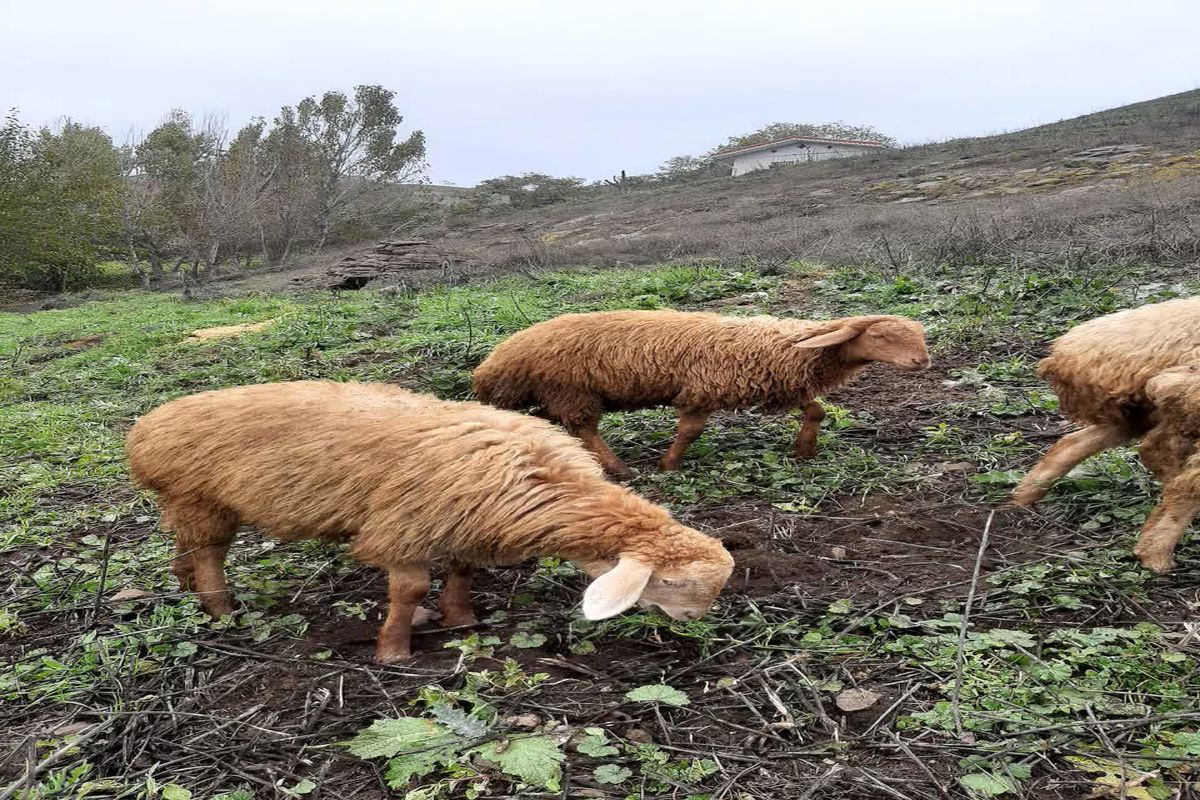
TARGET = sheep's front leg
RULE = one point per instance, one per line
(691, 425)
(1064, 456)
(455, 602)
(408, 584)
(805, 445)
(1169, 520)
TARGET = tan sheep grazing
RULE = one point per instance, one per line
(1099, 371)
(578, 366)
(1171, 450)
(409, 479)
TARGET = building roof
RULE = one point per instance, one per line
(754, 148)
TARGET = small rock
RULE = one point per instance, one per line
(910, 199)
(639, 736)
(929, 185)
(955, 466)
(70, 729)
(838, 552)
(125, 595)
(523, 722)
(851, 700)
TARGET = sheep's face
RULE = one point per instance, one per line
(1176, 389)
(683, 591)
(897, 342)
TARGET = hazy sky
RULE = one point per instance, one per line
(590, 88)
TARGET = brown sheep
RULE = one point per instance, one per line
(1099, 371)
(578, 366)
(408, 479)
(1171, 450)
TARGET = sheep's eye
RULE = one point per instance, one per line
(669, 582)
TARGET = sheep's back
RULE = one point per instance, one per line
(316, 459)
(634, 359)
(1099, 369)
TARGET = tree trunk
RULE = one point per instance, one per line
(136, 263)
(287, 249)
(211, 262)
(262, 238)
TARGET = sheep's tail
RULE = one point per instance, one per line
(496, 390)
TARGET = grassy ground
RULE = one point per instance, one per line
(1061, 670)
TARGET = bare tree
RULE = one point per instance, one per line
(354, 141)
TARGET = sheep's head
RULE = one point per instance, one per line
(897, 341)
(682, 589)
(1176, 390)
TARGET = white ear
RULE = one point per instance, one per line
(838, 336)
(616, 590)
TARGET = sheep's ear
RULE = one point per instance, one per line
(616, 590)
(843, 334)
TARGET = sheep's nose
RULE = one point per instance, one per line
(920, 363)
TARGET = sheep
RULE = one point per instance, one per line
(577, 366)
(1171, 450)
(1099, 371)
(408, 479)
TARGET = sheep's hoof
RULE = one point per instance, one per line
(668, 466)
(452, 619)
(392, 657)
(1028, 496)
(423, 616)
(804, 453)
(620, 473)
(1156, 562)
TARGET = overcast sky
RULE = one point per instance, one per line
(590, 88)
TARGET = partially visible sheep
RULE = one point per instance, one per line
(1171, 450)
(409, 479)
(1099, 371)
(578, 366)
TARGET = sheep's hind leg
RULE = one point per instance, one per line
(1169, 520)
(588, 432)
(408, 584)
(1065, 455)
(455, 602)
(805, 445)
(691, 425)
(203, 532)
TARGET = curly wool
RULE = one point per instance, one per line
(1099, 369)
(407, 477)
(578, 365)
(1175, 437)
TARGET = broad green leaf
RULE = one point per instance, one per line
(658, 693)
(403, 768)
(184, 649)
(303, 787)
(987, 784)
(173, 791)
(527, 640)
(459, 722)
(611, 774)
(386, 738)
(596, 747)
(842, 606)
(535, 760)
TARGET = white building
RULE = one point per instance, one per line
(791, 151)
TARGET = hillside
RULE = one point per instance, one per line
(1116, 185)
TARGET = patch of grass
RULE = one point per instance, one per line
(1056, 655)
